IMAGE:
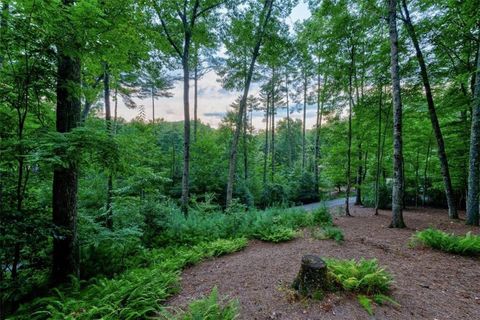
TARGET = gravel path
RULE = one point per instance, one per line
(329, 203)
(428, 284)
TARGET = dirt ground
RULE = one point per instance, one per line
(428, 284)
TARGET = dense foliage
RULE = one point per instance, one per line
(468, 244)
(85, 193)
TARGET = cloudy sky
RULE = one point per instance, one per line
(213, 100)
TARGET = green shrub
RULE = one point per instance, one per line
(328, 232)
(468, 244)
(322, 217)
(209, 308)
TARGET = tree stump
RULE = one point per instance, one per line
(311, 280)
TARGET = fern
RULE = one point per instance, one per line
(468, 244)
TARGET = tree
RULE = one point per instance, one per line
(179, 24)
(442, 154)
(65, 179)
(259, 34)
(474, 157)
(397, 192)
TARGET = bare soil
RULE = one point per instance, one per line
(428, 284)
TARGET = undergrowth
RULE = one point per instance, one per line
(208, 308)
(468, 245)
(365, 278)
(136, 294)
(328, 232)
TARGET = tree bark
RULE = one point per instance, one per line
(474, 157)
(65, 179)
(186, 128)
(397, 192)
(379, 137)
(425, 172)
(312, 279)
(442, 155)
(358, 193)
(266, 148)
(108, 121)
(304, 125)
(317, 133)
(289, 142)
(349, 145)
(273, 124)
(195, 98)
(266, 12)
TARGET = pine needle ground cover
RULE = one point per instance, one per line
(468, 244)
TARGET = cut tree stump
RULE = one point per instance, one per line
(311, 280)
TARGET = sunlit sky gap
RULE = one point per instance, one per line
(213, 100)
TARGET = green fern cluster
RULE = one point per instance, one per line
(276, 234)
(366, 278)
(136, 294)
(209, 308)
(363, 276)
(328, 232)
(468, 244)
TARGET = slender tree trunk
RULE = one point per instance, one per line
(195, 98)
(317, 133)
(186, 128)
(379, 137)
(289, 141)
(304, 124)
(266, 149)
(115, 114)
(442, 155)
(65, 178)
(273, 124)
(425, 172)
(266, 13)
(397, 192)
(474, 158)
(153, 105)
(417, 165)
(349, 145)
(108, 121)
(245, 146)
(358, 193)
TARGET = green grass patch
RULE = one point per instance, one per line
(468, 245)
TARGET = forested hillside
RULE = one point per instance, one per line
(376, 100)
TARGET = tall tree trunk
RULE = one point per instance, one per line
(153, 105)
(65, 178)
(442, 155)
(358, 193)
(289, 142)
(317, 133)
(266, 13)
(425, 172)
(349, 134)
(108, 121)
(115, 111)
(266, 148)
(417, 165)
(186, 128)
(379, 137)
(304, 124)
(245, 145)
(195, 98)
(397, 192)
(273, 124)
(474, 157)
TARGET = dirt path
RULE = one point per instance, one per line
(428, 284)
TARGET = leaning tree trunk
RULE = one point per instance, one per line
(442, 154)
(65, 178)
(397, 192)
(474, 162)
(312, 277)
(232, 164)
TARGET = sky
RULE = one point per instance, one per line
(213, 100)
